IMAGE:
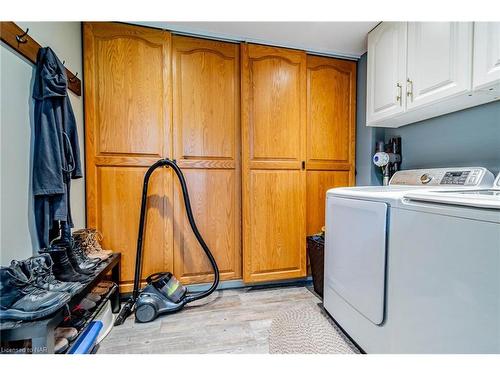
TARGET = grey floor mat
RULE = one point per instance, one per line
(307, 330)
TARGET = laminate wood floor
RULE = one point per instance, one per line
(228, 321)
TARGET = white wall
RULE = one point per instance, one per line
(17, 231)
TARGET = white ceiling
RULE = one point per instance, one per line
(345, 39)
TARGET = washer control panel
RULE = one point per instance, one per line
(457, 178)
(467, 177)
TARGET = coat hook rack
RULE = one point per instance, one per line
(73, 79)
(70, 79)
(19, 40)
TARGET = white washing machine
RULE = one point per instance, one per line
(444, 277)
(360, 226)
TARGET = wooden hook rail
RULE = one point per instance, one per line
(11, 34)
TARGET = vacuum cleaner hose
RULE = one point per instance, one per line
(127, 308)
(192, 223)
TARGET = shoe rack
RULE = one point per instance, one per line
(41, 332)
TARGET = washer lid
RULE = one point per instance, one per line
(480, 198)
(496, 184)
(419, 179)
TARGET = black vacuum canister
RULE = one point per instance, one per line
(168, 285)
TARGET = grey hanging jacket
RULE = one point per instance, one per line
(56, 158)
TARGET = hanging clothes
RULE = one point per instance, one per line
(56, 158)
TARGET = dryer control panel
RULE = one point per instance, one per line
(467, 177)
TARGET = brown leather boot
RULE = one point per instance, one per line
(88, 239)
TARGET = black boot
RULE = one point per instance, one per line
(80, 265)
(62, 268)
(22, 300)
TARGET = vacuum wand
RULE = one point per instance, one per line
(125, 312)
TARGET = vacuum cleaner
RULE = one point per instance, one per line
(163, 293)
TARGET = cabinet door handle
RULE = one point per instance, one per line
(409, 88)
(303, 164)
(400, 93)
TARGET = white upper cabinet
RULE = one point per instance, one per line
(419, 70)
(439, 61)
(487, 56)
(386, 71)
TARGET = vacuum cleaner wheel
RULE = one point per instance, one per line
(146, 312)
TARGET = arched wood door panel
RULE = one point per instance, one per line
(127, 128)
(273, 148)
(331, 126)
(206, 138)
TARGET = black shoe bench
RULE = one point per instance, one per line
(41, 332)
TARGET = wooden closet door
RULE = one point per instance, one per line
(206, 133)
(127, 128)
(273, 149)
(331, 126)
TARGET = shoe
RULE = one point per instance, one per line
(76, 318)
(100, 290)
(40, 268)
(89, 240)
(105, 284)
(87, 304)
(69, 333)
(79, 265)
(62, 268)
(94, 297)
(85, 268)
(81, 258)
(22, 299)
(84, 261)
(60, 345)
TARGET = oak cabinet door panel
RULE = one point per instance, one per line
(206, 137)
(273, 157)
(331, 122)
(276, 221)
(127, 128)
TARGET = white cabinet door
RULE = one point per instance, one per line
(439, 61)
(486, 56)
(386, 71)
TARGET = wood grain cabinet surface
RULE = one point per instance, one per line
(331, 127)
(127, 128)
(206, 138)
(273, 149)
(260, 133)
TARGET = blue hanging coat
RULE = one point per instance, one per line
(56, 152)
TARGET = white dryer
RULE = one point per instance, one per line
(358, 251)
